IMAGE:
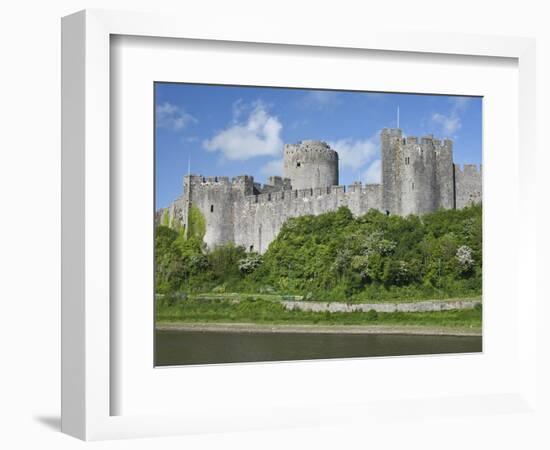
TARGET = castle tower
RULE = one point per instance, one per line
(417, 175)
(214, 198)
(393, 159)
(310, 164)
(424, 177)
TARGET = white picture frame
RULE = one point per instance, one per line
(88, 387)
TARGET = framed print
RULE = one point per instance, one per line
(274, 209)
(302, 260)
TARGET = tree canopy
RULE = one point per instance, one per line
(335, 256)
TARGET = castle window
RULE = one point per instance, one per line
(251, 249)
(413, 186)
(211, 208)
(298, 164)
(311, 191)
(407, 160)
(268, 197)
(216, 179)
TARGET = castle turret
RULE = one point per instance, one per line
(214, 197)
(391, 140)
(417, 175)
(310, 164)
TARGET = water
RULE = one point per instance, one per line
(206, 347)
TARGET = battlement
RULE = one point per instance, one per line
(201, 180)
(468, 169)
(393, 132)
(311, 148)
(426, 141)
(286, 195)
(218, 180)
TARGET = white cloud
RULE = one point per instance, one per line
(459, 104)
(173, 117)
(373, 174)
(355, 153)
(238, 107)
(319, 99)
(450, 123)
(258, 135)
(273, 167)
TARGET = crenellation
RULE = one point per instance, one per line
(418, 176)
(355, 187)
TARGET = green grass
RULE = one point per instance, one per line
(262, 311)
(236, 296)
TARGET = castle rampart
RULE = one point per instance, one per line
(418, 176)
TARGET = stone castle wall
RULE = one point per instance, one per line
(468, 185)
(418, 176)
(258, 219)
(253, 221)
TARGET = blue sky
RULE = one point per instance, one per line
(235, 130)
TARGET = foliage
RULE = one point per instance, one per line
(335, 257)
(257, 310)
(165, 218)
(250, 263)
(465, 258)
(197, 223)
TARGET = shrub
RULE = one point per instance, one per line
(372, 315)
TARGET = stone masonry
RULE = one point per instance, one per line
(418, 176)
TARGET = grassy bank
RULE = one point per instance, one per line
(265, 311)
(237, 297)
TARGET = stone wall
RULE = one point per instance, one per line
(468, 185)
(426, 306)
(259, 218)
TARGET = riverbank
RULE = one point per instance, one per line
(271, 313)
(322, 329)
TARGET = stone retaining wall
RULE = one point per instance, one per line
(425, 306)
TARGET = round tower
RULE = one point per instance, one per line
(310, 164)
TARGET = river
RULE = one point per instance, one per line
(174, 347)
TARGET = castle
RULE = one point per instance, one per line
(418, 176)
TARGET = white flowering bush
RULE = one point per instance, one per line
(465, 258)
(250, 263)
